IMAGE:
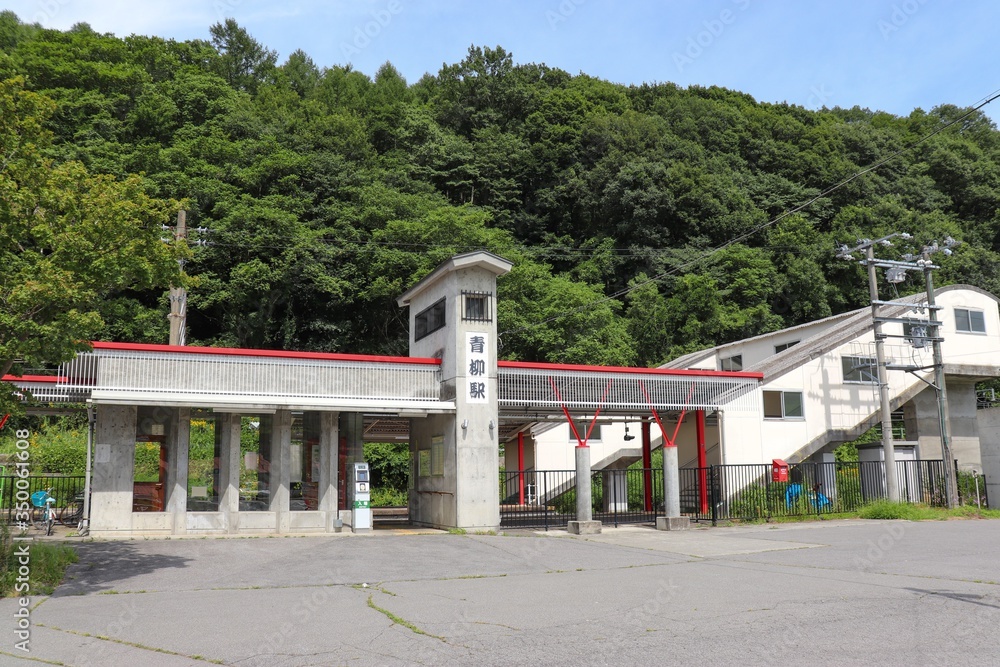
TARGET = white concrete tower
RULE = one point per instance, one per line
(454, 457)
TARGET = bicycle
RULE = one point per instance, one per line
(72, 514)
(41, 500)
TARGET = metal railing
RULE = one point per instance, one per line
(537, 498)
(539, 386)
(630, 495)
(750, 492)
(723, 492)
(63, 488)
(205, 373)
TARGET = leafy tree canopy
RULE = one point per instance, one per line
(327, 192)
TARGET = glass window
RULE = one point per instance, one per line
(203, 463)
(429, 320)
(792, 403)
(305, 461)
(860, 369)
(772, 405)
(150, 463)
(784, 346)
(581, 428)
(476, 307)
(970, 321)
(255, 463)
(150, 475)
(733, 363)
(783, 405)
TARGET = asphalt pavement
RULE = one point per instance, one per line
(826, 593)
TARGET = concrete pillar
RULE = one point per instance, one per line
(228, 426)
(989, 433)
(962, 420)
(329, 491)
(671, 493)
(827, 475)
(281, 471)
(962, 417)
(614, 494)
(178, 446)
(114, 460)
(584, 524)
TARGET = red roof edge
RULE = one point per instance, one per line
(34, 378)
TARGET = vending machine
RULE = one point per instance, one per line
(359, 492)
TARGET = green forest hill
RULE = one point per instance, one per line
(327, 193)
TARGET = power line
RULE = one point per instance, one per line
(990, 98)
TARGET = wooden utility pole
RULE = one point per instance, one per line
(178, 295)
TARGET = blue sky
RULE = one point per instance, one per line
(892, 55)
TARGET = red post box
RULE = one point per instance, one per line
(779, 471)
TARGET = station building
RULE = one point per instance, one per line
(212, 441)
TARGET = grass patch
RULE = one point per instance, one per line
(879, 509)
(457, 531)
(973, 512)
(47, 564)
(397, 620)
(887, 509)
(884, 509)
(123, 642)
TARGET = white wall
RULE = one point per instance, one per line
(831, 404)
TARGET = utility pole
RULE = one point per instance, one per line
(885, 407)
(950, 479)
(888, 448)
(178, 295)
(896, 272)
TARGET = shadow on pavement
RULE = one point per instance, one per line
(102, 564)
(968, 598)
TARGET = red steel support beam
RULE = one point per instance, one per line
(581, 442)
(702, 460)
(647, 464)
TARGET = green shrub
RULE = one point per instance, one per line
(761, 502)
(848, 480)
(565, 503)
(382, 497)
(967, 489)
(55, 447)
(887, 509)
(389, 463)
(147, 461)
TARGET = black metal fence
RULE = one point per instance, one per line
(751, 492)
(544, 499)
(63, 488)
(631, 495)
(972, 489)
(537, 498)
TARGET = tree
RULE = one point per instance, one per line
(244, 61)
(68, 240)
